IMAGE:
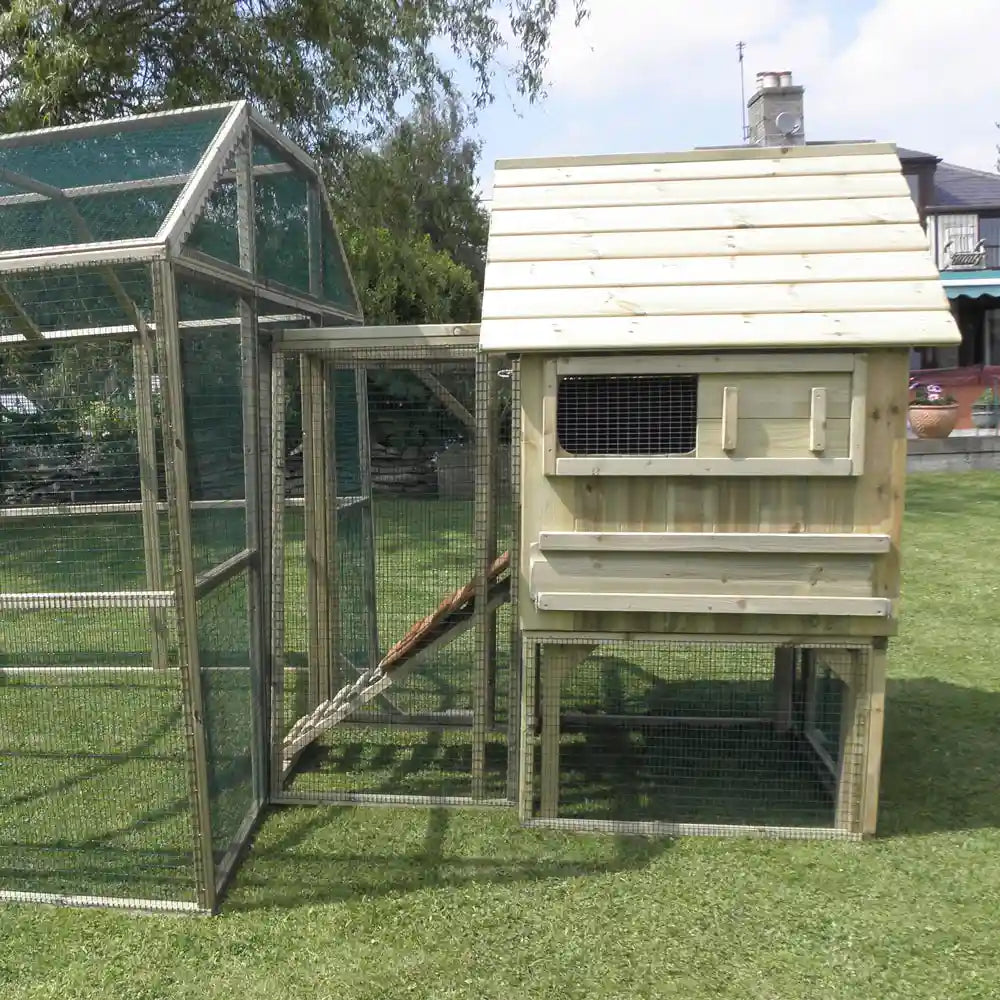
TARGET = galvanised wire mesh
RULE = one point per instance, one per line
(416, 738)
(213, 404)
(627, 414)
(70, 302)
(281, 219)
(704, 736)
(216, 231)
(95, 803)
(228, 690)
(120, 181)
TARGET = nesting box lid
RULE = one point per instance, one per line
(802, 247)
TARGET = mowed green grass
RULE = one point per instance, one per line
(380, 902)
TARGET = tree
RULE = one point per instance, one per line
(330, 72)
(419, 181)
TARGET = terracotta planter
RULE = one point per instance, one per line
(933, 421)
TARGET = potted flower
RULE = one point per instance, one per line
(932, 412)
(986, 410)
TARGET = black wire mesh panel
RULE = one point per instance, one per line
(411, 481)
(627, 414)
(95, 803)
(699, 737)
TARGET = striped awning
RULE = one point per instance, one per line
(971, 284)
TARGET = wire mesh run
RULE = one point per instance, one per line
(411, 457)
(95, 799)
(694, 737)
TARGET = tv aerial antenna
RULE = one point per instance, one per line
(740, 47)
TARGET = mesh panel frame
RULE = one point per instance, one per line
(95, 762)
(435, 735)
(601, 750)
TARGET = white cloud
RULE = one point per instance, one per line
(626, 44)
(919, 73)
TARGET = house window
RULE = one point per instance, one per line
(989, 233)
(957, 238)
(627, 414)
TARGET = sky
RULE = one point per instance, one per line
(663, 75)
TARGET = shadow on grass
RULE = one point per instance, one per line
(287, 874)
(941, 760)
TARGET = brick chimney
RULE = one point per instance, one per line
(776, 112)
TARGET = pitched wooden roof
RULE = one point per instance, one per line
(810, 246)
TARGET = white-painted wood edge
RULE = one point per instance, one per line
(87, 600)
(733, 269)
(81, 255)
(362, 337)
(569, 304)
(560, 222)
(111, 902)
(728, 153)
(698, 191)
(839, 329)
(693, 246)
(191, 199)
(869, 607)
(711, 541)
(625, 170)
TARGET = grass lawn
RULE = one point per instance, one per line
(377, 903)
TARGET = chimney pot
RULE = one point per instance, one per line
(776, 98)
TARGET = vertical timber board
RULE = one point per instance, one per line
(277, 575)
(333, 677)
(485, 549)
(880, 488)
(853, 743)
(370, 568)
(179, 508)
(142, 366)
(783, 687)
(315, 522)
(558, 661)
(514, 691)
(875, 693)
(256, 442)
(547, 502)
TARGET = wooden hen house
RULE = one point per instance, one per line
(710, 349)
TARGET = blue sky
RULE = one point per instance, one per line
(663, 75)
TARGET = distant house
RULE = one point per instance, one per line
(960, 208)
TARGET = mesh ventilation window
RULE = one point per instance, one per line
(627, 414)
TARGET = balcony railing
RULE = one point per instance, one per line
(964, 255)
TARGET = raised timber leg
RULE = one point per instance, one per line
(320, 529)
(784, 687)
(526, 736)
(876, 725)
(558, 661)
(850, 767)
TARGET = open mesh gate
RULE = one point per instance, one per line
(392, 674)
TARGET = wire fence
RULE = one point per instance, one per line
(699, 736)
(94, 764)
(407, 540)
